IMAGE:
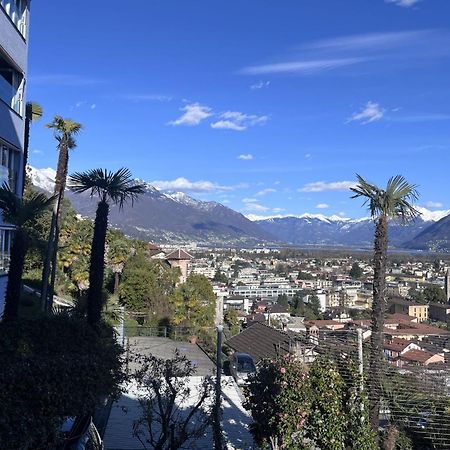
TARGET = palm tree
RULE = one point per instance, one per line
(111, 187)
(19, 212)
(33, 112)
(65, 131)
(394, 202)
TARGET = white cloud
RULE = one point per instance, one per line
(265, 191)
(93, 106)
(249, 200)
(322, 206)
(228, 125)
(302, 67)
(194, 113)
(259, 85)
(404, 3)
(238, 121)
(370, 41)
(255, 207)
(79, 104)
(184, 185)
(431, 204)
(246, 157)
(371, 113)
(275, 210)
(308, 156)
(36, 151)
(322, 186)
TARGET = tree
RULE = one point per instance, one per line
(194, 303)
(20, 213)
(111, 187)
(65, 131)
(434, 294)
(356, 271)
(394, 202)
(33, 112)
(164, 423)
(220, 277)
(298, 305)
(283, 300)
(117, 255)
(146, 286)
(230, 318)
(314, 305)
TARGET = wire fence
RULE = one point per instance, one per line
(413, 383)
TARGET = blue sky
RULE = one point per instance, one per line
(268, 107)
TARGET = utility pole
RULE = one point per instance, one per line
(218, 441)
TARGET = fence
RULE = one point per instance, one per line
(414, 387)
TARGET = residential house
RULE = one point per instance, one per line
(402, 306)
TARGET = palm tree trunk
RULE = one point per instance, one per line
(13, 290)
(378, 311)
(97, 263)
(116, 282)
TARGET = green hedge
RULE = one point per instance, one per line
(50, 368)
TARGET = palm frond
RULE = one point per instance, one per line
(18, 211)
(117, 187)
(64, 127)
(33, 111)
(394, 202)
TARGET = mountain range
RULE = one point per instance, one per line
(175, 217)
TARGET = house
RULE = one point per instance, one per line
(278, 312)
(420, 358)
(439, 311)
(402, 306)
(393, 348)
(155, 252)
(179, 258)
(261, 342)
(14, 20)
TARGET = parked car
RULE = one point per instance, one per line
(241, 366)
(80, 433)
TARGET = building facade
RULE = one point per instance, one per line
(14, 20)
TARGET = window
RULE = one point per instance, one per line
(11, 86)
(17, 12)
(9, 166)
(5, 247)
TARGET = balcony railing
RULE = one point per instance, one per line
(17, 11)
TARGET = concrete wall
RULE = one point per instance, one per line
(12, 42)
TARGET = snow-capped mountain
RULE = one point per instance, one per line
(164, 216)
(317, 229)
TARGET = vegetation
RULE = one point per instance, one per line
(52, 368)
(111, 187)
(20, 213)
(394, 202)
(296, 408)
(65, 131)
(356, 272)
(231, 320)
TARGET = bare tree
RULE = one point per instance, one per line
(173, 414)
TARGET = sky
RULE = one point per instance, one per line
(270, 108)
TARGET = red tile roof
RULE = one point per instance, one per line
(179, 255)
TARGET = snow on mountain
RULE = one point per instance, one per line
(42, 178)
(432, 216)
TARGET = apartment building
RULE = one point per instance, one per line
(14, 19)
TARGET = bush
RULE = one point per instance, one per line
(52, 368)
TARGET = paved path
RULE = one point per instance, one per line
(126, 410)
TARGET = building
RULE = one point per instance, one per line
(14, 17)
(402, 306)
(439, 311)
(447, 284)
(180, 258)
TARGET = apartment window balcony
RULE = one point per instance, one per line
(9, 166)
(17, 12)
(12, 85)
(5, 249)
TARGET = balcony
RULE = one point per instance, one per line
(17, 12)
(11, 86)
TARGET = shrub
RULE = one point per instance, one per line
(51, 368)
